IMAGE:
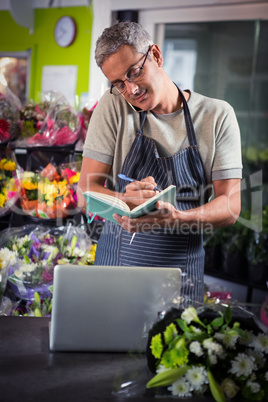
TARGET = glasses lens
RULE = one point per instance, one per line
(134, 74)
(117, 89)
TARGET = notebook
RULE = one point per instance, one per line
(106, 205)
(108, 309)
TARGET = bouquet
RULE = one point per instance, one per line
(72, 175)
(85, 117)
(61, 125)
(9, 114)
(53, 122)
(38, 307)
(49, 194)
(197, 350)
(32, 117)
(9, 182)
(7, 257)
(32, 252)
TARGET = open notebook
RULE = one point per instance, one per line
(106, 205)
(97, 308)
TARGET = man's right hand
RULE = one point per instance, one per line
(139, 192)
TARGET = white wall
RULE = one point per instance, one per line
(153, 14)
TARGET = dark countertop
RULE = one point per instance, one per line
(31, 373)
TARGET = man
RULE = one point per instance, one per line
(150, 130)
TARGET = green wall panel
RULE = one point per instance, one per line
(44, 49)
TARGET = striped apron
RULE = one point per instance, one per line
(163, 247)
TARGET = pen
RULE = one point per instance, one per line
(124, 177)
(132, 238)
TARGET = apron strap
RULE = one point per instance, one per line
(188, 121)
(143, 116)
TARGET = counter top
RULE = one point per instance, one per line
(31, 373)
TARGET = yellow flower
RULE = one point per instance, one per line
(2, 200)
(7, 164)
(28, 185)
(75, 178)
(29, 181)
(48, 190)
(11, 166)
(11, 185)
(92, 252)
(61, 188)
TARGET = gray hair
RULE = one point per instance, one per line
(119, 34)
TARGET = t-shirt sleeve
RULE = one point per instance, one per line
(227, 162)
(101, 135)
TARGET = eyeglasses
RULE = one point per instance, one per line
(134, 74)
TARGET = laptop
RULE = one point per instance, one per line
(109, 309)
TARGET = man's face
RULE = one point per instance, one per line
(146, 92)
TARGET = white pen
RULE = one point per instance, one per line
(132, 238)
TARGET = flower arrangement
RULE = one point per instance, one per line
(9, 114)
(51, 122)
(32, 117)
(72, 176)
(49, 194)
(29, 192)
(60, 127)
(85, 117)
(7, 257)
(199, 350)
(38, 307)
(9, 184)
(31, 257)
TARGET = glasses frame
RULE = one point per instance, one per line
(128, 79)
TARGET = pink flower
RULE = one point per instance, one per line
(11, 194)
(68, 172)
(4, 128)
(47, 276)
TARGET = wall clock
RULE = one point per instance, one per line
(65, 31)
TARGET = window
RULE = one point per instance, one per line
(14, 72)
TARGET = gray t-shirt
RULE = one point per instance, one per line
(114, 124)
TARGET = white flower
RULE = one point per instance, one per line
(242, 365)
(161, 369)
(197, 377)
(19, 274)
(76, 252)
(254, 387)
(27, 267)
(48, 248)
(195, 347)
(8, 257)
(180, 388)
(213, 347)
(228, 338)
(260, 343)
(229, 387)
(258, 356)
(190, 315)
(212, 359)
(20, 242)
